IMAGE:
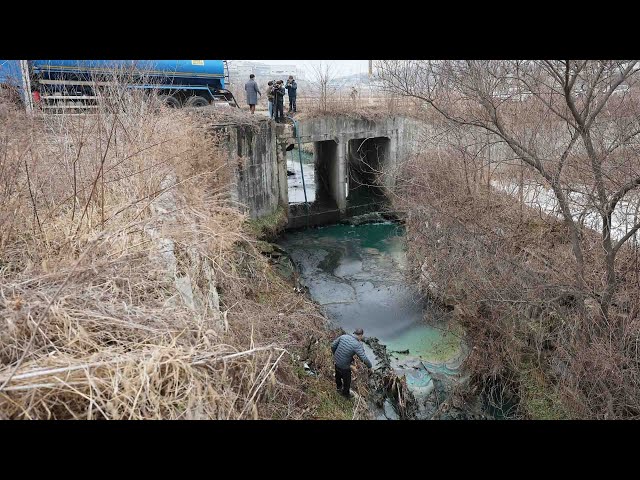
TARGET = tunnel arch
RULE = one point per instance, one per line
(365, 166)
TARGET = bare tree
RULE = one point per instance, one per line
(323, 82)
(574, 124)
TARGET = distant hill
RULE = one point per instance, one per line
(353, 79)
(342, 82)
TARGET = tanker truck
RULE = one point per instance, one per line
(76, 84)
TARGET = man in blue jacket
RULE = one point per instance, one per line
(292, 88)
(344, 348)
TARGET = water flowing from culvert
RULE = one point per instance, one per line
(357, 273)
(295, 184)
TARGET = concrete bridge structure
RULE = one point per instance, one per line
(344, 148)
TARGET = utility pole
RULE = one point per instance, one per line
(370, 86)
(26, 85)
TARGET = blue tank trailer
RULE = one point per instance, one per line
(71, 83)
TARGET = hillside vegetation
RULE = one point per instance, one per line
(130, 287)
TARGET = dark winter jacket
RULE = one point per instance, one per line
(292, 88)
(344, 348)
(278, 94)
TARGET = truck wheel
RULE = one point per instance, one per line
(169, 101)
(196, 101)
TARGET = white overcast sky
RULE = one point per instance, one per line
(342, 67)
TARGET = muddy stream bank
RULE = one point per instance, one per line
(356, 271)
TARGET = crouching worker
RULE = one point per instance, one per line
(344, 348)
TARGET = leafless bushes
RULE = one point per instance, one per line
(555, 303)
(506, 270)
(564, 121)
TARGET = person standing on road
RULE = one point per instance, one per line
(344, 348)
(278, 101)
(251, 87)
(292, 88)
(354, 94)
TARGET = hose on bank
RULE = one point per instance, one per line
(304, 187)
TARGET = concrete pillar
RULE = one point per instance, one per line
(280, 142)
(331, 160)
(231, 135)
(339, 175)
(391, 160)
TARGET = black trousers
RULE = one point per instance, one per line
(279, 111)
(292, 103)
(343, 380)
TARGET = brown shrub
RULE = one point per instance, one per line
(507, 272)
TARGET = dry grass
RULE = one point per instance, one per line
(129, 287)
(383, 107)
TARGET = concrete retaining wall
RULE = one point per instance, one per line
(258, 169)
(258, 152)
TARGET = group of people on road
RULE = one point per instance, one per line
(275, 96)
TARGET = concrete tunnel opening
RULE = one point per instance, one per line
(319, 169)
(366, 160)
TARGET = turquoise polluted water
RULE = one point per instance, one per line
(357, 273)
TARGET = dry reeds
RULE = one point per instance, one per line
(125, 272)
(376, 108)
(506, 270)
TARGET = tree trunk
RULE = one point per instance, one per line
(575, 235)
(610, 264)
(521, 192)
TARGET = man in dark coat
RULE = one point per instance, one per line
(344, 348)
(252, 90)
(278, 101)
(292, 88)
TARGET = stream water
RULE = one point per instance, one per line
(357, 273)
(295, 184)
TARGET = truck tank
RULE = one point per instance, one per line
(70, 84)
(11, 90)
(10, 72)
(192, 72)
